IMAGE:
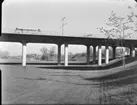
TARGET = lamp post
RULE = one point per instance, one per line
(63, 24)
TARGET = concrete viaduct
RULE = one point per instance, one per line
(66, 40)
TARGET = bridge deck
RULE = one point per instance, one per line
(35, 38)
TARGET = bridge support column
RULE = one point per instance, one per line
(88, 54)
(24, 51)
(107, 55)
(59, 54)
(99, 55)
(114, 52)
(132, 51)
(94, 54)
(66, 54)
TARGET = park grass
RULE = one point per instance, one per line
(112, 86)
(119, 87)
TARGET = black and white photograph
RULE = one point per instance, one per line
(69, 52)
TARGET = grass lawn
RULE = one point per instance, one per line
(32, 85)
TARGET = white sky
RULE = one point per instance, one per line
(82, 16)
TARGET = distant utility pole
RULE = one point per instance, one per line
(63, 24)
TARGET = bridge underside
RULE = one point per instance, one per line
(66, 40)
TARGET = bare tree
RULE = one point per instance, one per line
(118, 28)
(52, 51)
(70, 55)
(133, 15)
(4, 54)
(44, 52)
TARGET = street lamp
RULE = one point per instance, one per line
(63, 24)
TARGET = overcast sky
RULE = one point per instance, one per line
(82, 16)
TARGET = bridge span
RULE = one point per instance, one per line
(66, 40)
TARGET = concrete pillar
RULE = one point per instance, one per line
(133, 54)
(114, 52)
(124, 51)
(59, 54)
(131, 51)
(88, 54)
(94, 54)
(99, 55)
(24, 54)
(66, 54)
(107, 55)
